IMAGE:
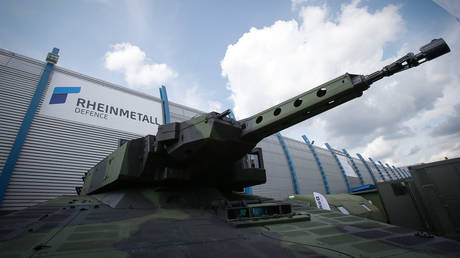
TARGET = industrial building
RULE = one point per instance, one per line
(55, 124)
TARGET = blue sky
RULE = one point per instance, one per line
(192, 38)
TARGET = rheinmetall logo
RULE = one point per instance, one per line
(98, 110)
(60, 94)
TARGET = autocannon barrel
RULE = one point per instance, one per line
(330, 94)
(436, 48)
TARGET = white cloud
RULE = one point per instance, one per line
(192, 96)
(138, 71)
(143, 75)
(272, 64)
(215, 106)
(296, 3)
(379, 148)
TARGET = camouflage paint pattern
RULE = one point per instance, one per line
(107, 171)
(152, 223)
(352, 203)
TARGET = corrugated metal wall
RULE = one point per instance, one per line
(333, 173)
(17, 87)
(279, 182)
(58, 152)
(308, 173)
(365, 173)
(179, 113)
(352, 175)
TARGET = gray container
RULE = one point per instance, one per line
(428, 201)
(438, 189)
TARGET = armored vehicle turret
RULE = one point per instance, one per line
(178, 194)
(217, 151)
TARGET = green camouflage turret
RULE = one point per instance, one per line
(214, 150)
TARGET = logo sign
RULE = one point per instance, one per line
(60, 94)
(75, 99)
(321, 201)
